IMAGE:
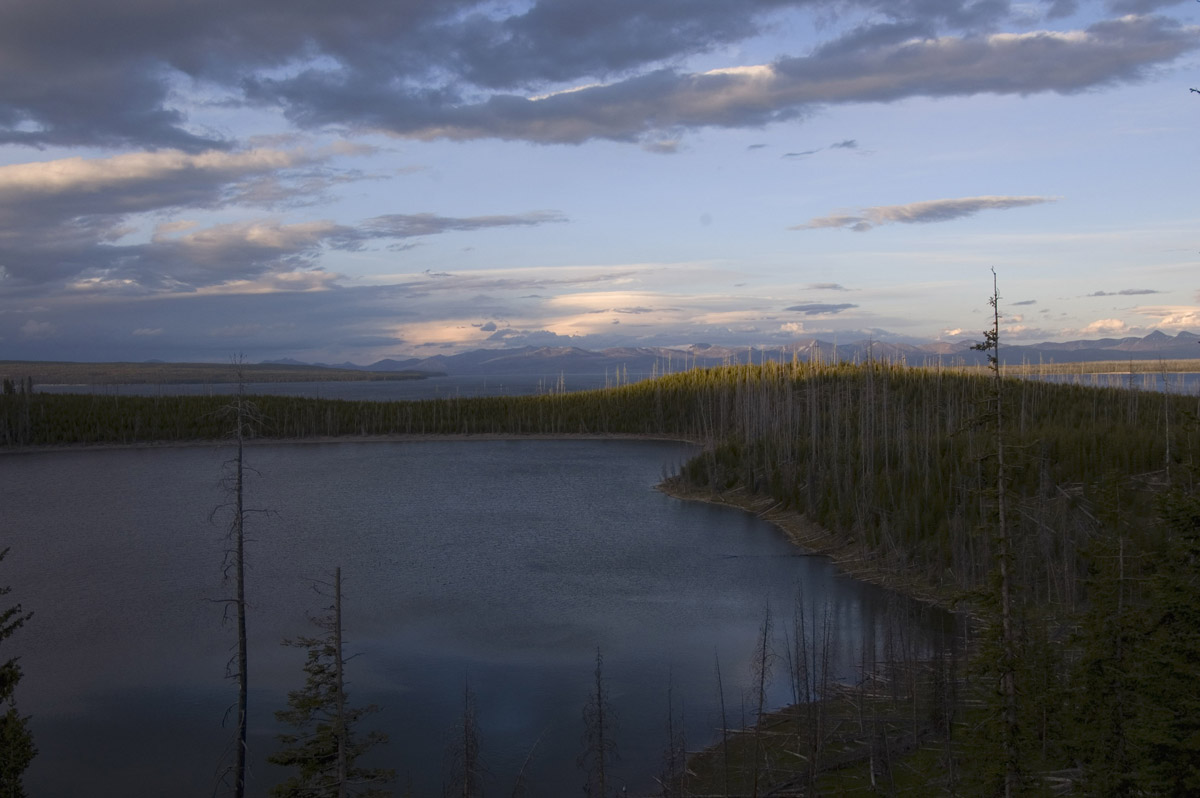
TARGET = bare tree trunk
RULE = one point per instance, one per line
(1008, 683)
(341, 683)
(239, 516)
(724, 724)
(762, 674)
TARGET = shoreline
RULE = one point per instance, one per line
(850, 557)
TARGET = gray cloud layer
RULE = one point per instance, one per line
(113, 73)
(821, 308)
(63, 222)
(942, 210)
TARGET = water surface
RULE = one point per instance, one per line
(498, 564)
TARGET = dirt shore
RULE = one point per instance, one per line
(851, 557)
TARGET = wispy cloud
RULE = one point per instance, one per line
(820, 308)
(1126, 292)
(942, 210)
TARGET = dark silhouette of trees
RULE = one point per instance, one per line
(464, 770)
(1004, 564)
(599, 743)
(16, 741)
(325, 746)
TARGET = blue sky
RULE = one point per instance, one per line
(369, 179)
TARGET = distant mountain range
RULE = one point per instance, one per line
(643, 361)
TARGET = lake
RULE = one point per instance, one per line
(499, 564)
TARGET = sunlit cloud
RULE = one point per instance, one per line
(1176, 317)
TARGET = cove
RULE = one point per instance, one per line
(498, 564)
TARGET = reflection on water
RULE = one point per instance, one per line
(501, 564)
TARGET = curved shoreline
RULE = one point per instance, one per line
(850, 557)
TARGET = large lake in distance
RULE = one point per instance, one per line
(498, 564)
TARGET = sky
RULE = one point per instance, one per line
(331, 182)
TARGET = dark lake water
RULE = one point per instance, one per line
(502, 564)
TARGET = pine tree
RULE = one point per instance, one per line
(324, 747)
(1166, 732)
(16, 741)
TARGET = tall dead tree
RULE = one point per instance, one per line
(599, 745)
(1004, 560)
(464, 776)
(244, 417)
(761, 670)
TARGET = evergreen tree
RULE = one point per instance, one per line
(1167, 730)
(16, 741)
(324, 747)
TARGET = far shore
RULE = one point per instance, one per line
(395, 438)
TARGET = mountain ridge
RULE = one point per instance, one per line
(645, 361)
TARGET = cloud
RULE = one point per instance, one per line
(818, 308)
(1025, 302)
(426, 224)
(848, 144)
(124, 73)
(37, 329)
(148, 331)
(69, 222)
(1105, 327)
(826, 287)
(1126, 292)
(1180, 317)
(642, 106)
(942, 210)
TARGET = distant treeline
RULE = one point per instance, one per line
(1102, 516)
(67, 373)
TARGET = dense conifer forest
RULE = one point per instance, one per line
(1094, 518)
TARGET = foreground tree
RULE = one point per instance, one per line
(16, 741)
(324, 747)
(599, 744)
(1008, 650)
(245, 418)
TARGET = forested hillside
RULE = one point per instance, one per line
(1100, 516)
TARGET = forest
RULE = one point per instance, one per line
(1061, 521)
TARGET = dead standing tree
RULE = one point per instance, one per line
(246, 419)
(599, 745)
